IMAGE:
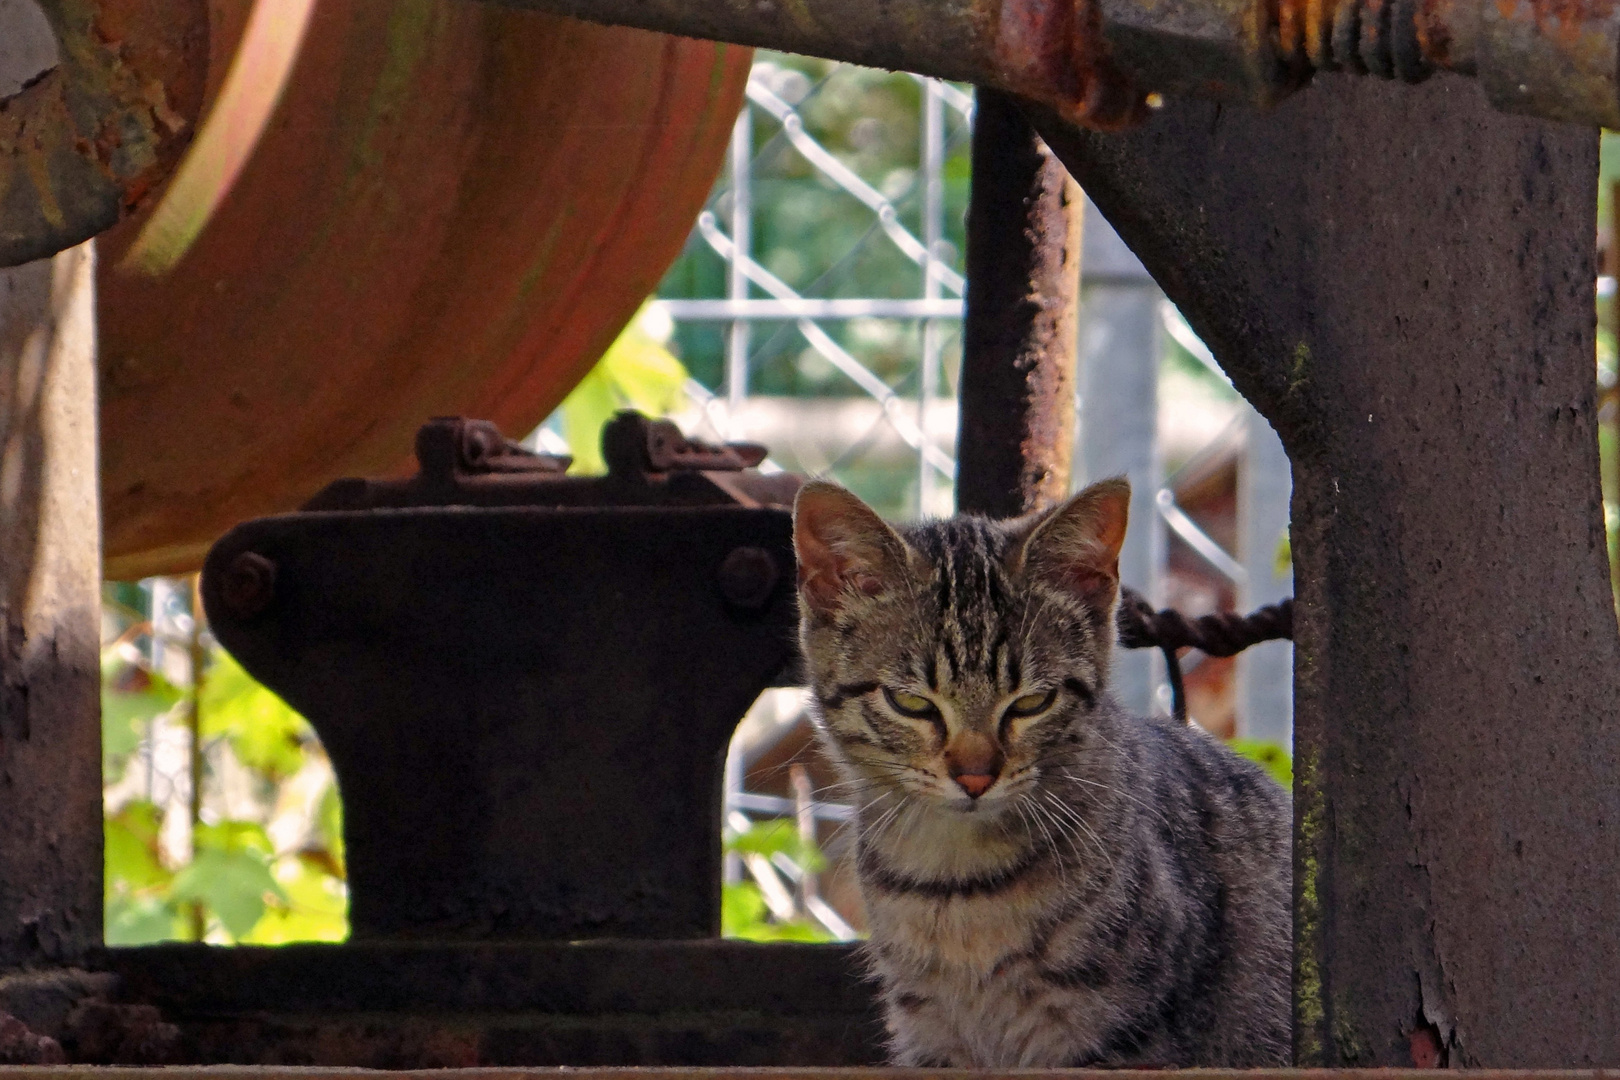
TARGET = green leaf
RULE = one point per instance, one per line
(1282, 563)
(265, 733)
(742, 915)
(130, 698)
(132, 863)
(1273, 757)
(232, 885)
(769, 838)
(141, 920)
(234, 837)
(317, 907)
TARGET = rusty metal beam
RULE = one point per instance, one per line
(1016, 436)
(1401, 282)
(1096, 62)
(84, 143)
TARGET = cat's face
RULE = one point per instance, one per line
(956, 663)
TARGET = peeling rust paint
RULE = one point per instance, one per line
(82, 145)
(1097, 63)
(1019, 342)
(1058, 53)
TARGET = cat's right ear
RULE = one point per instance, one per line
(1076, 546)
(845, 551)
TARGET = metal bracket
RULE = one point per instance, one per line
(650, 463)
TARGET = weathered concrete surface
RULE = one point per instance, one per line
(50, 573)
(1401, 280)
(50, 566)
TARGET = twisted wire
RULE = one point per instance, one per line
(1222, 634)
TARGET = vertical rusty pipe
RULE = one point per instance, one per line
(1016, 436)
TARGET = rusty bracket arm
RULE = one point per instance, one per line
(1100, 63)
(85, 142)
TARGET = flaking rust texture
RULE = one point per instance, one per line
(1019, 337)
(1401, 281)
(85, 143)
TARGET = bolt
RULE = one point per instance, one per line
(248, 585)
(480, 441)
(748, 577)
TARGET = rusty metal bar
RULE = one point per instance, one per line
(1033, 48)
(84, 143)
(81, 146)
(1098, 62)
(1016, 437)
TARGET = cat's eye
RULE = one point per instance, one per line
(909, 704)
(1031, 704)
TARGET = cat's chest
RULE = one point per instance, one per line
(968, 934)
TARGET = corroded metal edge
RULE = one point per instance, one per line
(86, 142)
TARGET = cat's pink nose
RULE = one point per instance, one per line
(975, 784)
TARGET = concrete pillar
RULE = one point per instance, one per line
(50, 576)
(1119, 415)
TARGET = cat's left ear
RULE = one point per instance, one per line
(846, 553)
(1076, 546)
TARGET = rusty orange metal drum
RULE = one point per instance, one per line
(391, 211)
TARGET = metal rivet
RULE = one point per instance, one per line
(748, 577)
(248, 585)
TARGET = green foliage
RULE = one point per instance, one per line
(637, 372)
(229, 875)
(1273, 757)
(264, 734)
(131, 698)
(232, 885)
(743, 915)
(743, 911)
(779, 837)
(820, 239)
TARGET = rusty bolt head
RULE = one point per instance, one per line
(481, 441)
(248, 585)
(748, 577)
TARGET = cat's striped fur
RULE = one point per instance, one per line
(1119, 894)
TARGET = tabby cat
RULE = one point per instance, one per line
(1049, 881)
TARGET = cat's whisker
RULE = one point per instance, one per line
(1095, 839)
(877, 825)
(1041, 816)
(1114, 791)
(1053, 803)
(1079, 822)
